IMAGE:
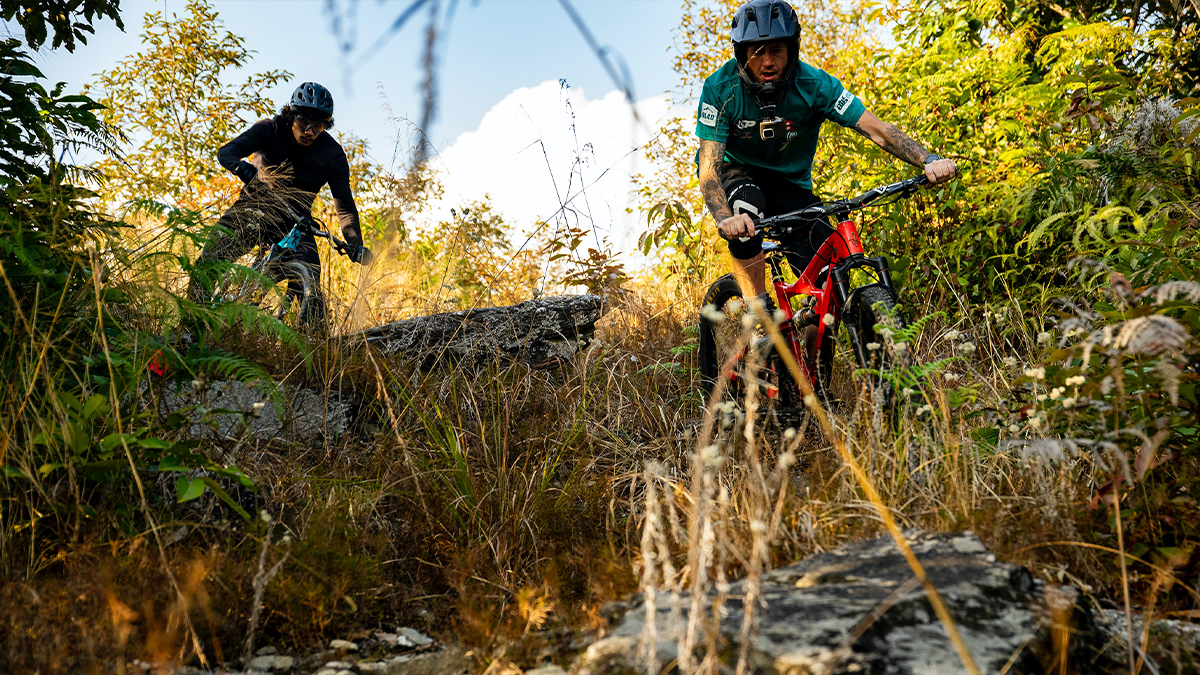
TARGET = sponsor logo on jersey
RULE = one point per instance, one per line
(843, 102)
(746, 124)
(708, 114)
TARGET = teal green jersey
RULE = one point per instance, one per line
(729, 114)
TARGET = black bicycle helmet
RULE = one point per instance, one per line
(312, 96)
(760, 21)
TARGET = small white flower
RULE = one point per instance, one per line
(1036, 421)
(1057, 392)
(1076, 380)
(967, 348)
(1041, 397)
(789, 433)
(827, 320)
(906, 392)
(1043, 338)
(266, 517)
(952, 335)
(196, 384)
(786, 460)
(633, 358)
(1036, 373)
(950, 377)
(711, 313)
(727, 407)
(259, 406)
(1069, 402)
(924, 410)
(1012, 429)
(872, 346)
(885, 332)
(901, 347)
(1008, 362)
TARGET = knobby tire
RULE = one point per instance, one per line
(862, 314)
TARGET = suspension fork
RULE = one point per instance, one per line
(840, 277)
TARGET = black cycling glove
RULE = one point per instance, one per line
(360, 254)
(356, 252)
(245, 170)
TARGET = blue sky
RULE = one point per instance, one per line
(493, 48)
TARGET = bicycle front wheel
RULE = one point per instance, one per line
(870, 310)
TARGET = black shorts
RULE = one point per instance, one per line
(762, 193)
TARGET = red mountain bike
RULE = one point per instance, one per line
(826, 296)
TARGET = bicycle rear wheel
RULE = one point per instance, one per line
(721, 340)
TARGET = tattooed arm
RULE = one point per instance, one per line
(897, 143)
(729, 225)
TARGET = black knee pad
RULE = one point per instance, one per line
(744, 196)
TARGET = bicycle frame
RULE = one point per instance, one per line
(268, 259)
(839, 253)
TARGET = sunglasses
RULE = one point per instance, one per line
(316, 125)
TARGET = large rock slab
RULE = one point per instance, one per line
(813, 607)
(229, 409)
(540, 332)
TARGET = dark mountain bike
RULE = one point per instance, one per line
(841, 285)
(277, 263)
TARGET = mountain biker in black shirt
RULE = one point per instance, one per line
(299, 158)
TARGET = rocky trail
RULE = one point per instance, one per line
(855, 609)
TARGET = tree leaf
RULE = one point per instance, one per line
(189, 488)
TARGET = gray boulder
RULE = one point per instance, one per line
(859, 609)
(540, 333)
(229, 408)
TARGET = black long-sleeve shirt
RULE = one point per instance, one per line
(311, 168)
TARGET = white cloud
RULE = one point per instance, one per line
(545, 145)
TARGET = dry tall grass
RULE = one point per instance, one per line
(502, 507)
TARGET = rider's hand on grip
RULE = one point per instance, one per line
(939, 170)
(355, 251)
(245, 171)
(361, 255)
(739, 226)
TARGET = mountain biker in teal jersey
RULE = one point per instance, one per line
(759, 120)
(303, 157)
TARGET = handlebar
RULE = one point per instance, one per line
(306, 222)
(781, 224)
